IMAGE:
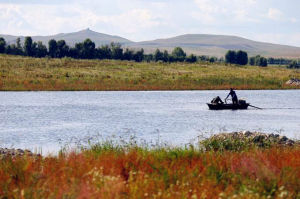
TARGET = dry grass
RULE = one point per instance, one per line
(113, 172)
(24, 74)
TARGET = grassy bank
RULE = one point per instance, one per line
(111, 171)
(32, 74)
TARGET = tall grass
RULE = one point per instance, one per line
(23, 73)
(129, 171)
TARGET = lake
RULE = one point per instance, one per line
(49, 120)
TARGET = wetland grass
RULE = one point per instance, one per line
(33, 74)
(109, 170)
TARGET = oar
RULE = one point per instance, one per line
(255, 107)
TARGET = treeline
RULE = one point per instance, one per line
(241, 58)
(258, 61)
(88, 50)
(294, 64)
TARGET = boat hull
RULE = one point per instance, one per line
(228, 106)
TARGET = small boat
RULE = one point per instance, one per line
(218, 104)
(214, 106)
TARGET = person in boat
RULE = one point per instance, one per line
(217, 100)
(233, 96)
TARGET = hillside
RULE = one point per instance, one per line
(199, 44)
(218, 45)
(72, 38)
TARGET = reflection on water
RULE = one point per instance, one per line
(49, 120)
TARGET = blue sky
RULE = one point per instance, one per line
(275, 21)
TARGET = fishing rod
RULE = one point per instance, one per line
(255, 107)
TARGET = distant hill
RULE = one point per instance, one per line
(218, 45)
(72, 38)
(199, 44)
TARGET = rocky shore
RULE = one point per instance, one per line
(256, 138)
(5, 152)
(293, 82)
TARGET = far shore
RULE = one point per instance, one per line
(66, 74)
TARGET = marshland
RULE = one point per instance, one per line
(20, 73)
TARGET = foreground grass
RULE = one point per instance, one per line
(112, 171)
(32, 74)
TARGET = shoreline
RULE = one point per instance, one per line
(41, 74)
(246, 138)
(222, 167)
(267, 89)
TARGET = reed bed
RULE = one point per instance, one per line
(33, 74)
(109, 170)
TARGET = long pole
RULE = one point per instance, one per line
(255, 107)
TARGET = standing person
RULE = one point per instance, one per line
(233, 96)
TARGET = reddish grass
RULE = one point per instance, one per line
(139, 173)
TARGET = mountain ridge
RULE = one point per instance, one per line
(199, 44)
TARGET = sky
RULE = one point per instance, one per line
(275, 21)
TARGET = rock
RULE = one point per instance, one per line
(283, 139)
(5, 152)
(290, 142)
(258, 138)
(293, 82)
(247, 133)
(274, 135)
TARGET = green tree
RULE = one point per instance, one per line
(252, 61)
(148, 58)
(204, 58)
(191, 58)
(13, 49)
(34, 49)
(178, 54)
(294, 64)
(88, 51)
(166, 56)
(263, 62)
(139, 55)
(116, 50)
(62, 49)
(18, 42)
(258, 61)
(103, 52)
(28, 46)
(73, 52)
(271, 60)
(158, 55)
(241, 58)
(41, 50)
(213, 59)
(230, 57)
(128, 54)
(52, 48)
(19, 49)
(2, 45)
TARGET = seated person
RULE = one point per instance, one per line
(217, 100)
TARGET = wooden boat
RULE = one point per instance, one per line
(219, 106)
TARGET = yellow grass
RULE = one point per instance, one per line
(32, 74)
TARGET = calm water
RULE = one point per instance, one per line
(49, 120)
